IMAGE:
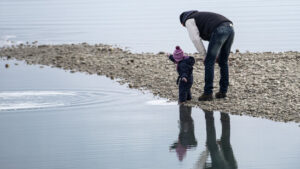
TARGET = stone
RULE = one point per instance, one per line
(261, 84)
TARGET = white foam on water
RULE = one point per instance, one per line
(16, 100)
(6, 95)
(5, 41)
(28, 105)
(161, 102)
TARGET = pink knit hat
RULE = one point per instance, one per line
(178, 54)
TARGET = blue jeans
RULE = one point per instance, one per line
(219, 44)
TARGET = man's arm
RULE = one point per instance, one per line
(194, 34)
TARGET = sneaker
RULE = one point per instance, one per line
(220, 95)
(205, 97)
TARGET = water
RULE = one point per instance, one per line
(50, 118)
(147, 26)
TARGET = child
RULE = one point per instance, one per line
(185, 71)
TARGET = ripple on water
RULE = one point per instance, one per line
(30, 99)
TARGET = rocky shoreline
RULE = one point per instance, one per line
(263, 85)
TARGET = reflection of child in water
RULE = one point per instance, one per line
(186, 138)
(185, 70)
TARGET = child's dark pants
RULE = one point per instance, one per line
(185, 89)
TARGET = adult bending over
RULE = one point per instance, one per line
(218, 30)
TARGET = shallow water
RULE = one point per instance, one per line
(147, 26)
(50, 118)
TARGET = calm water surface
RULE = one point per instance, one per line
(147, 26)
(50, 118)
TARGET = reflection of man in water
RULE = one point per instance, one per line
(220, 152)
(186, 138)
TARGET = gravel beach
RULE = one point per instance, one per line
(265, 85)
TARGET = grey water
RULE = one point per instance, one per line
(51, 118)
(147, 26)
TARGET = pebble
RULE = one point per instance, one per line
(261, 84)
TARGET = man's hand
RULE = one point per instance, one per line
(184, 79)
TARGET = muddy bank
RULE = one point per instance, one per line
(263, 85)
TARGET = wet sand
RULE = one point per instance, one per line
(263, 85)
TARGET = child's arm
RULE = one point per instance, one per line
(172, 58)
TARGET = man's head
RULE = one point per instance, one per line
(185, 16)
(181, 18)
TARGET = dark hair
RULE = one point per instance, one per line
(181, 18)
